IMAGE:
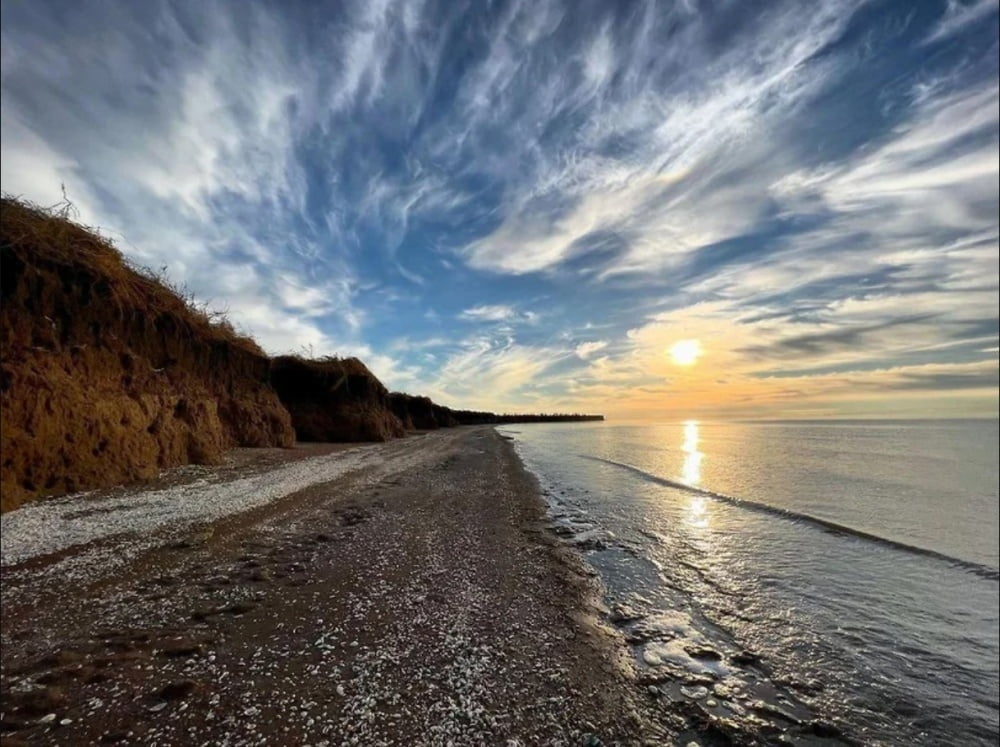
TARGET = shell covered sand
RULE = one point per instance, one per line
(415, 598)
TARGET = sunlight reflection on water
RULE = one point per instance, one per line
(691, 474)
(884, 631)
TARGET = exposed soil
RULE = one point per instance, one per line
(108, 375)
(334, 399)
(416, 599)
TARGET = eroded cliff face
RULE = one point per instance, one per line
(334, 399)
(107, 375)
(418, 413)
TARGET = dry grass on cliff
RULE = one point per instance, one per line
(107, 373)
(49, 236)
(334, 399)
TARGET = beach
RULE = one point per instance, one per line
(400, 593)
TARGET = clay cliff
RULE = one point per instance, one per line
(334, 399)
(107, 374)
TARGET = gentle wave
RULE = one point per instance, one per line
(979, 569)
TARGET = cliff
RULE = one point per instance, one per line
(106, 374)
(334, 399)
(416, 412)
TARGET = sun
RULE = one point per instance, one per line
(685, 352)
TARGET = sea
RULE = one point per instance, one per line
(837, 579)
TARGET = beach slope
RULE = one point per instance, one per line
(398, 593)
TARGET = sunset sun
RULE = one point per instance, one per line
(685, 352)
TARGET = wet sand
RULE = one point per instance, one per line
(415, 597)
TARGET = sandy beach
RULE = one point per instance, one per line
(400, 593)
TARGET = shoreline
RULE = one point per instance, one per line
(415, 596)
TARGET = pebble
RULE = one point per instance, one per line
(695, 693)
(47, 719)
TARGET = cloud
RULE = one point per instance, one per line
(808, 190)
(958, 16)
(184, 144)
(497, 313)
(664, 192)
(935, 178)
(489, 313)
(498, 374)
(587, 349)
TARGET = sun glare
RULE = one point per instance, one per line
(685, 352)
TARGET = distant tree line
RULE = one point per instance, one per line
(472, 417)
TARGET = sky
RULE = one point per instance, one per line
(645, 209)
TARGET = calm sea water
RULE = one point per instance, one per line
(784, 575)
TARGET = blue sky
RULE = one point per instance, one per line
(524, 205)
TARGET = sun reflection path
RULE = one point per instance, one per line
(699, 512)
(691, 473)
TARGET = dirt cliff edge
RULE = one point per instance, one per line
(108, 375)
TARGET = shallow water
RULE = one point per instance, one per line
(858, 561)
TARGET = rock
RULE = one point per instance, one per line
(624, 614)
(41, 702)
(703, 652)
(182, 649)
(351, 516)
(695, 693)
(238, 608)
(47, 719)
(823, 729)
(9, 724)
(62, 658)
(54, 677)
(177, 690)
(744, 658)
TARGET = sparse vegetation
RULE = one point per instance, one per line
(334, 399)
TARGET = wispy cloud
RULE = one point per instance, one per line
(959, 15)
(666, 194)
(587, 349)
